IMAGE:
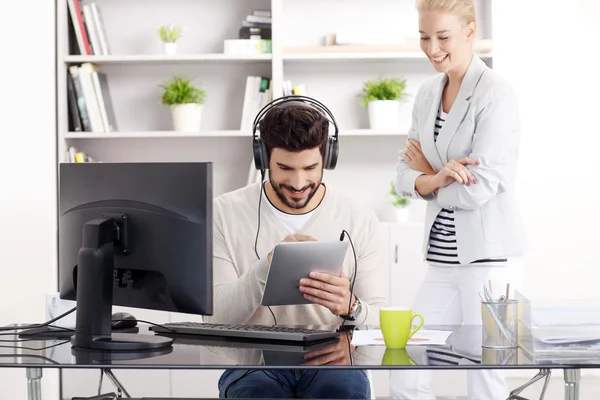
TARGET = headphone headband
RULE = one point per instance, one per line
(332, 145)
(301, 100)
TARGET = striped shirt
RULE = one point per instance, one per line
(443, 248)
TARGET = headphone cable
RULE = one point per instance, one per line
(345, 233)
(262, 179)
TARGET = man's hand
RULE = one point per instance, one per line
(333, 354)
(293, 238)
(456, 170)
(332, 292)
(414, 157)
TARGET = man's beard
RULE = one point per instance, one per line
(278, 187)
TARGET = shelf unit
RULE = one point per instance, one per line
(276, 64)
(332, 74)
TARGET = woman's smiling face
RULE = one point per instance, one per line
(446, 39)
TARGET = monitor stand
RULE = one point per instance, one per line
(103, 237)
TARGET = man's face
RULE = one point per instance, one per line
(295, 176)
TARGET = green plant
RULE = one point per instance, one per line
(383, 89)
(179, 90)
(395, 198)
(169, 34)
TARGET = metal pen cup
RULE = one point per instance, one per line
(500, 322)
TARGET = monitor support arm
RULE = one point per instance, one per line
(102, 239)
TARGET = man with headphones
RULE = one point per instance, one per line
(294, 204)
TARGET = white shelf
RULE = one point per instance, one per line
(361, 56)
(407, 51)
(369, 132)
(206, 134)
(154, 134)
(159, 58)
(353, 56)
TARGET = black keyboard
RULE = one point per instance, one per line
(256, 332)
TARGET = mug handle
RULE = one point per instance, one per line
(418, 326)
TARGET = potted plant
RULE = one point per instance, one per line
(185, 101)
(383, 98)
(169, 36)
(400, 204)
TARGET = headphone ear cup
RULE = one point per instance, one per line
(261, 159)
(326, 155)
(333, 150)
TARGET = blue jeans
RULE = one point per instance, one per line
(284, 383)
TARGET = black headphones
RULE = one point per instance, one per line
(261, 158)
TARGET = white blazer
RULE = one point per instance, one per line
(483, 124)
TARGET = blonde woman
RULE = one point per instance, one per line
(461, 157)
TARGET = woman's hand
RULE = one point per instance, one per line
(413, 156)
(456, 170)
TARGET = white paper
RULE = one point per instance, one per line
(423, 337)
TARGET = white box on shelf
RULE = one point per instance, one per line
(246, 46)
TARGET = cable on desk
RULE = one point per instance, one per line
(29, 355)
(31, 326)
(60, 328)
(33, 348)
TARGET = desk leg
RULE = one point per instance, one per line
(572, 379)
(543, 374)
(34, 384)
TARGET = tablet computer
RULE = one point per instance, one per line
(293, 261)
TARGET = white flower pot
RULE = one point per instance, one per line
(401, 214)
(384, 115)
(170, 49)
(187, 117)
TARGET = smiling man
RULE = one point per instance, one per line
(294, 204)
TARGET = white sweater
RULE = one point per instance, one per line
(240, 278)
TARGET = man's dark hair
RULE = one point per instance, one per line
(294, 128)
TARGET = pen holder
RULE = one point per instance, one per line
(500, 321)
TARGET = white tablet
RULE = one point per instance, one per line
(293, 261)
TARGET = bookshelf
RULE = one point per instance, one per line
(130, 53)
(135, 66)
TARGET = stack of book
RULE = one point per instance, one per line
(290, 89)
(257, 25)
(89, 28)
(90, 106)
(75, 156)
(254, 36)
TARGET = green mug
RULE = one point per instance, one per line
(396, 325)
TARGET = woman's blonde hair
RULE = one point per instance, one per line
(464, 8)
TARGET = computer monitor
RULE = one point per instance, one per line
(134, 235)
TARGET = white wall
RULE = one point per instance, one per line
(27, 173)
(546, 50)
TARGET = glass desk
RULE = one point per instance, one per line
(205, 353)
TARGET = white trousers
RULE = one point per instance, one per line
(450, 296)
